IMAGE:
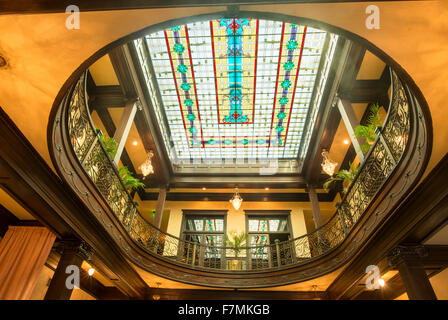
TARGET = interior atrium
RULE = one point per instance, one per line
(204, 150)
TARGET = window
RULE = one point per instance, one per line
(204, 236)
(265, 231)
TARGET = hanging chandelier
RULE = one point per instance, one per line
(328, 165)
(236, 200)
(146, 166)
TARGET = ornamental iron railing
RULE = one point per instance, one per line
(378, 165)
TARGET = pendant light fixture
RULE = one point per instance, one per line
(146, 166)
(236, 200)
(328, 165)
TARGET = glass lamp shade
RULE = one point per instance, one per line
(236, 200)
(328, 165)
(146, 166)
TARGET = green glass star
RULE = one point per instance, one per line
(188, 102)
(185, 86)
(179, 48)
(292, 44)
(281, 115)
(286, 84)
(182, 68)
(193, 130)
(283, 100)
(288, 65)
(279, 129)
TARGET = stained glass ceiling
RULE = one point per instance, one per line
(236, 88)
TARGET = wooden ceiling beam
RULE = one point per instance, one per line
(127, 71)
(248, 197)
(347, 60)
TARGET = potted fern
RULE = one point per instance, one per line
(236, 242)
(130, 182)
(369, 131)
(346, 176)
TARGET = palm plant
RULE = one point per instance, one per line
(368, 131)
(236, 241)
(347, 176)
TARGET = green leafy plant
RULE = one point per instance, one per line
(367, 132)
(236, 241)
(110, 145)
(347, 176)
(129, 181)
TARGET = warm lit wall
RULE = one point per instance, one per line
(236, 219)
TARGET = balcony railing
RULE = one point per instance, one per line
(378, 166)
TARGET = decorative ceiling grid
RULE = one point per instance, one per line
(234, 88)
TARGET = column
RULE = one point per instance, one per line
(317, 215)
(159, 207)
(408, 261)
(124, 126)
(23, 252)
(351, 122)
(73, 254)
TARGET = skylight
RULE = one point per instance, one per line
(235, 88)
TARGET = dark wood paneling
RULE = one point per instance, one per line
(106, 97)
(45, 6)
(248, 197)
(197, 294)
(6, 219)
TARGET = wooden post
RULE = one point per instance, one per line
(159, 207)
(351, 122)
(317, 215)
(74, 253)
(124, 126)
(407, 259)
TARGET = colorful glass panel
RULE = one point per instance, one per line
(234, 88)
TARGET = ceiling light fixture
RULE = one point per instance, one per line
(146, 166)
(91, 271)
(346, 141)
(236, 200)
(204, 188)
(328, 165)
(266, 188)
(381, 282)
(135, 143)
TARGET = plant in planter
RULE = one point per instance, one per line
(109, 144)
(347, 176)
(130, 182)
(235, 242)
(368, 131)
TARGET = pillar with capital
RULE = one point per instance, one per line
(73, 253)
(408, 261)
